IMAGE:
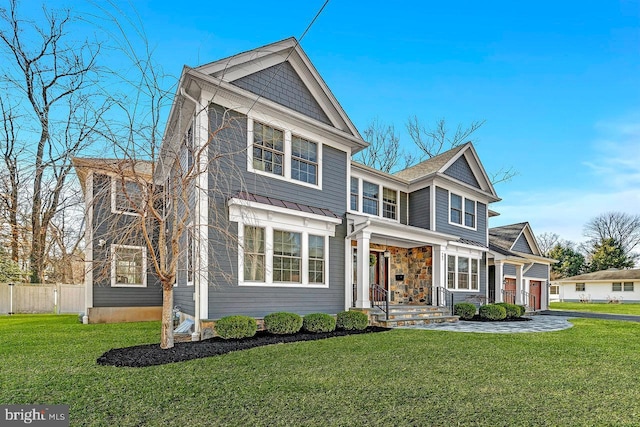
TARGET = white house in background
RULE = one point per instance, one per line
(600, 286)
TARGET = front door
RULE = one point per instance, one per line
(377, 275)
(535, 290)
(510, 291)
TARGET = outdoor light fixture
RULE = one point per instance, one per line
(102, 242)
(387, 254)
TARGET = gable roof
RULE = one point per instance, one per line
(503, 240)
(505, 237)
(439, 166)
(280, 57)
(141, 169)
(610, 274)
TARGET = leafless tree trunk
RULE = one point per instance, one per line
(54, 77)
(11, 176)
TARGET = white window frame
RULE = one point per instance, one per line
(116, 187)
(360, 199)
(287, 157)
(456, 280)
(463, 213)
(190, 252)
(281, 219)
(114, 283)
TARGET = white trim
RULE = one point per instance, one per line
(88, 250)
(115, 247)
(201, 242)
(260, 215)
(457, 255)
(463, 213)
(286, 153)
(190, 237)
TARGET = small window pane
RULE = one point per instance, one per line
(355, 189)
(316, 259)
(456, 209)
(469, 213)
(389, 203)
(451, 271)
(370, 198)
(254, 258)
(463, 273)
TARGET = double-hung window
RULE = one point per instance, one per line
(462, 211)
(128, 266)
(287, 256)
(127, 196)
(389, 203)
(268, 149)
(370, 197)
(355, 191)
(254, 254)
(304, 160)
(462, 273)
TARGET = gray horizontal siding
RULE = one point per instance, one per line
(521, 245)
(225, 296)
(419, 208)
(280, 83)
(509, 270)
(461, 170)
(116, 229)
(442, 219)
(540, 271)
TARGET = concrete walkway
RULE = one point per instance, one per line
(546, 323)
(627, 317)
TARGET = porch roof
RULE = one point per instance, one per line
(396, 234)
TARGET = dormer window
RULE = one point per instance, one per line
(462, 211)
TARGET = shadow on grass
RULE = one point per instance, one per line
(151, 354)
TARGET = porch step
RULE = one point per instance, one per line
(406, 315)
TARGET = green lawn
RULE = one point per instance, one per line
(586, 375)
(597, 307)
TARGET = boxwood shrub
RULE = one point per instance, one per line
(513, 311)
(352, 320)
(236, 327)
(493, 312)
(523, 309)
(319, 322)
(282, 323)
(465, 310)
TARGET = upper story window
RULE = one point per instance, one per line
(304, 160)
(268, 149)
(389, 203)
(280, 154)
(127, 196)
(355, 190)
(462, 211)
(370, 198)
(373, 199)
(128, 266)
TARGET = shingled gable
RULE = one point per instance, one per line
(509, 237)
(463, 156)
(284, 63)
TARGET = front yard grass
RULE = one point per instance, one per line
(597, 307)
(585, 375)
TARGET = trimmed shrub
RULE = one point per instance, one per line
(282, 323)
(236, 327)
(513, 311)
(319, 322)
(465, 310)
(523, 309)
(493, 312)
(352, 320)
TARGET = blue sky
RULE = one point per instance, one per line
(557, 82)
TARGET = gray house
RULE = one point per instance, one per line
(315, 231)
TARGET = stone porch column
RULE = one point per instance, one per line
(519, 287)
(362, 298)
(499, 281)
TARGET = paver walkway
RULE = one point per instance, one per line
(545, 323)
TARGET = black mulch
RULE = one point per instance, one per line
(477, 318)
(151, 354)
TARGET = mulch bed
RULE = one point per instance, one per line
(477, 318)
(151, 354)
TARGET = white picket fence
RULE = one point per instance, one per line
(34, 298)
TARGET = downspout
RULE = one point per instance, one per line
(195, 336)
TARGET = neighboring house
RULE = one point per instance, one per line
(518, 271)
(317, 232)
(610, 285)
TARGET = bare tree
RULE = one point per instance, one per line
(384, 152)
(433, 141)
(54, 76)
(622, 227)
(547, 241)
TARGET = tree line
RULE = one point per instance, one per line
(612, 240)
